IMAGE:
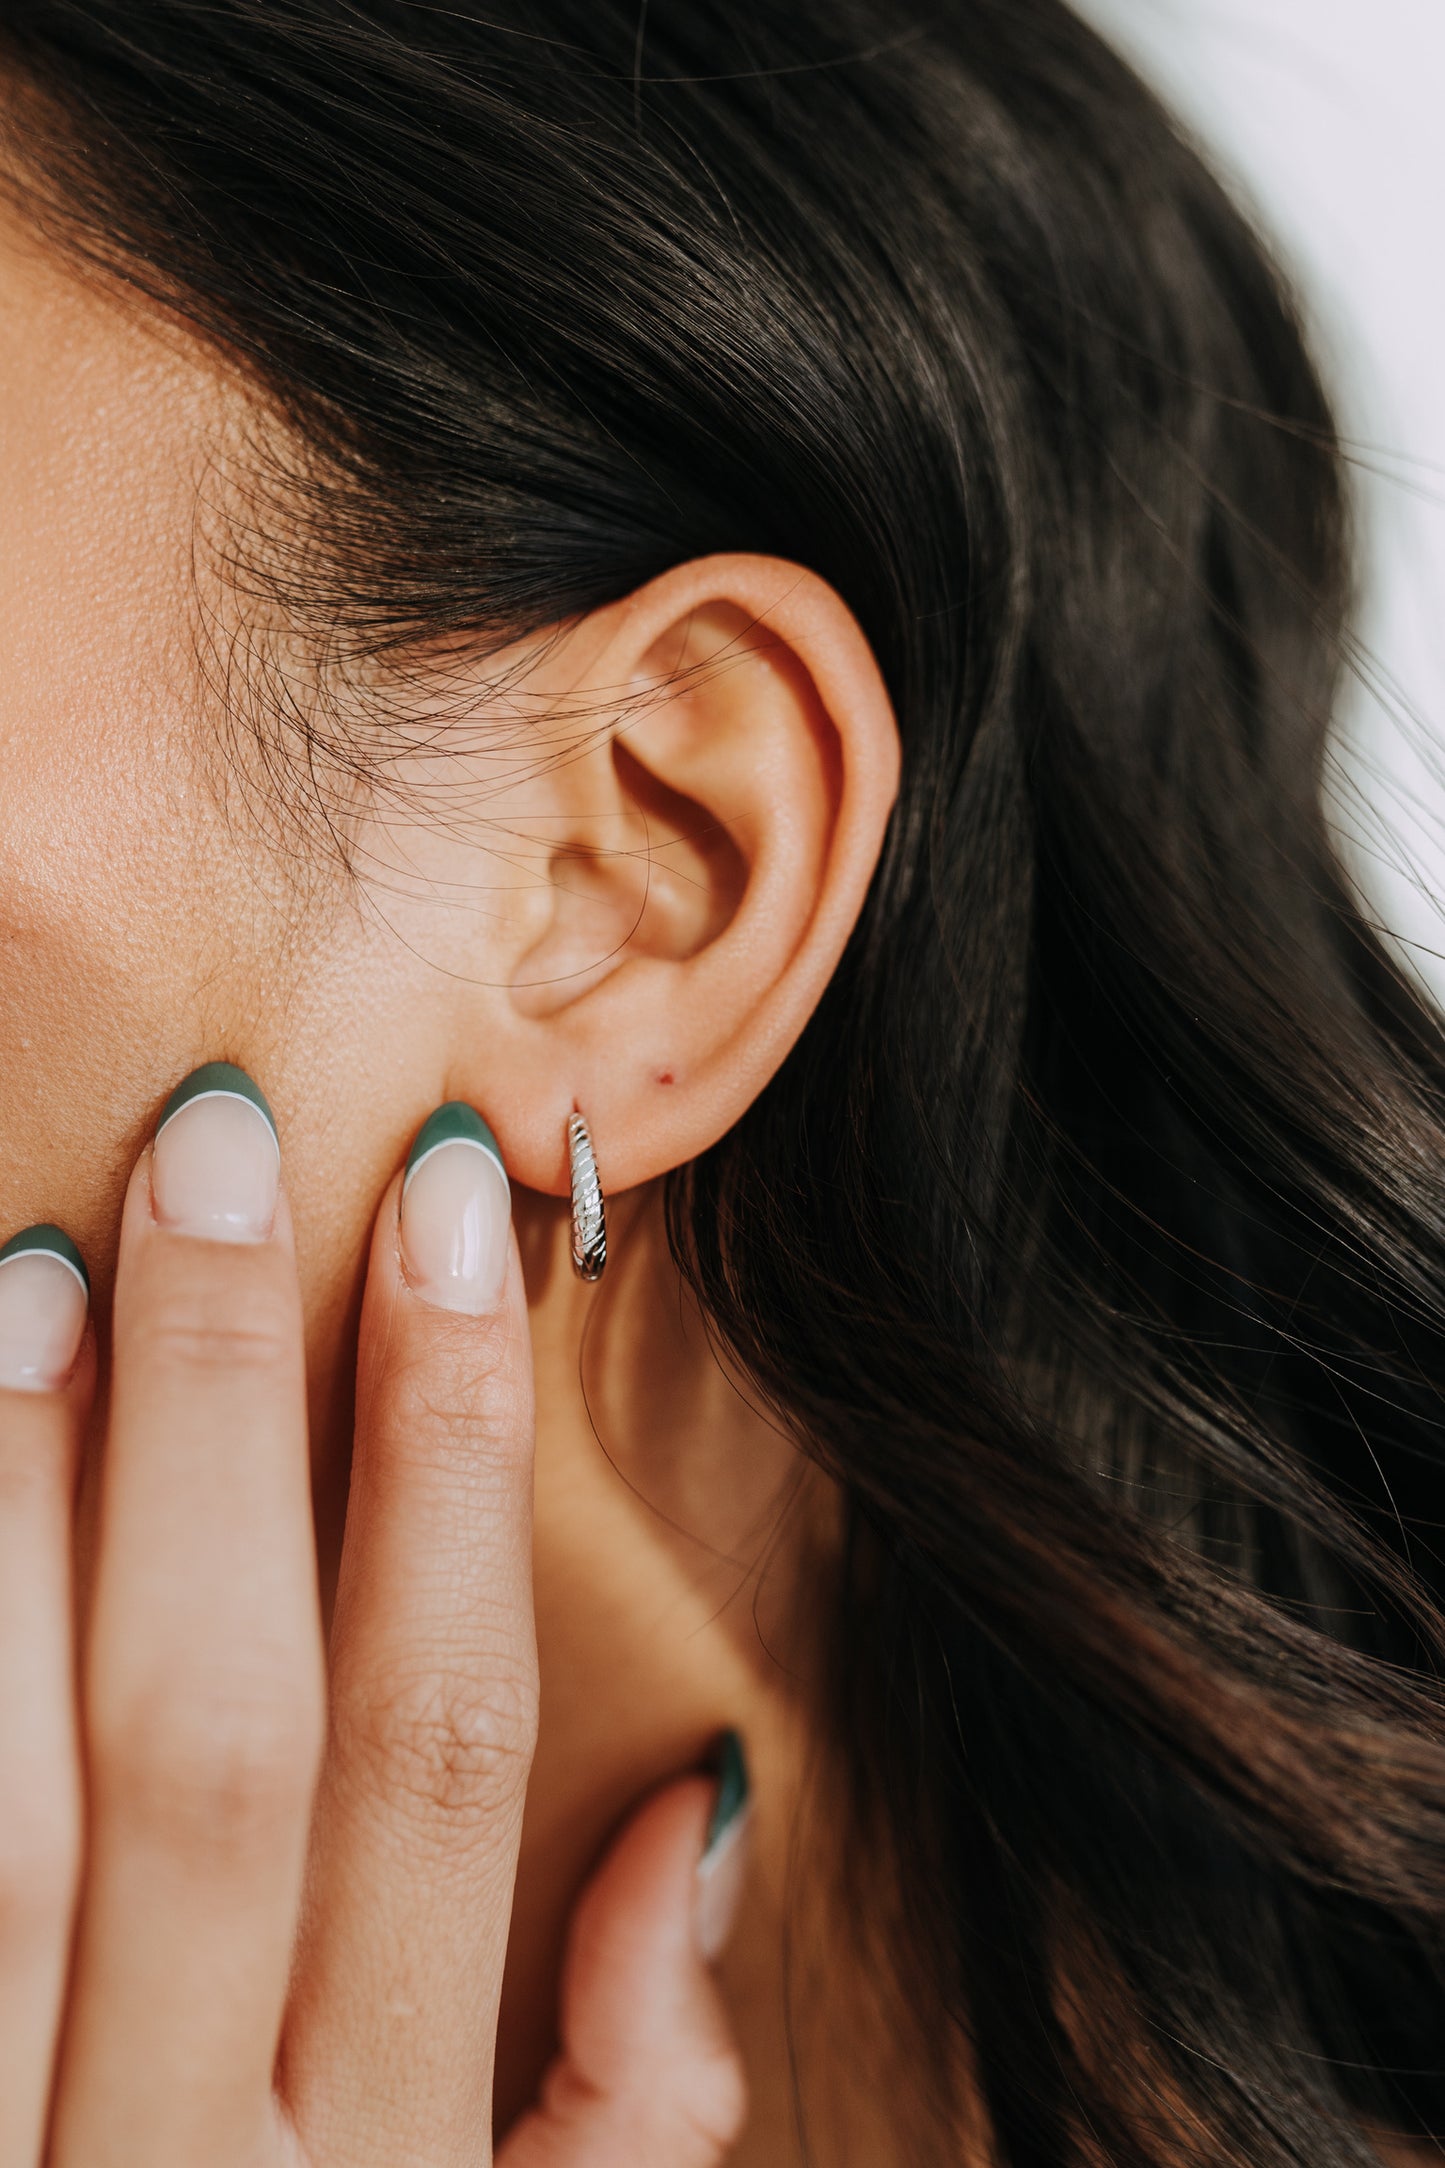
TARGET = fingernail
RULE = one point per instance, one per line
(217, 1166)
(44, 1298)
(722, 1869)
(456, 1208)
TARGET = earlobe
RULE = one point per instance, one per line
(708, 861)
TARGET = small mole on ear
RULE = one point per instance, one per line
(665, 1077)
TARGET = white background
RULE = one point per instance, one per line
(1326, 114)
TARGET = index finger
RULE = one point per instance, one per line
(388, 2050)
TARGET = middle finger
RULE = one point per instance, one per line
(204, 1682)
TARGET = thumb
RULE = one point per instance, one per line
(648, 2075)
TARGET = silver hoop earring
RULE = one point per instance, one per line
(589, 1217)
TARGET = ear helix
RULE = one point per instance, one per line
(589, 1217)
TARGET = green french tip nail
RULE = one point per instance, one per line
(455, 1123)
(733, 1789)
(217, 1080)
(48, 1241)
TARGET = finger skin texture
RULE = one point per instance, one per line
(204, 1707)
(648, 2076)
(40, 1802)
(388, 2055)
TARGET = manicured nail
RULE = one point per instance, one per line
(217, 1166)
(44, 1298)
(722, 1869)
(456, 1208)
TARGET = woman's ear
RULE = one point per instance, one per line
(708, 850)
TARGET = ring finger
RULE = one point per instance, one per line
(47, 1369)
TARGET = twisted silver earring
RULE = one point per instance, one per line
(589, 1217)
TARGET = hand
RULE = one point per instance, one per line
(252, 1917)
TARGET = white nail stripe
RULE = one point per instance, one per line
(19, 1257)
(442, 1144)
(220, 1093)
(718, 1882)
(725, 1842)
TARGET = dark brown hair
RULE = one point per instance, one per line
(1094, 1235)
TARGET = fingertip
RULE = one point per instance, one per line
(637, 1979)
(44, 1310)
(649, 2075)
(413, 1302)
(722, 1869)
(212, 1170)
(456, 1214)
(640, 1900)
(215, 1161)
